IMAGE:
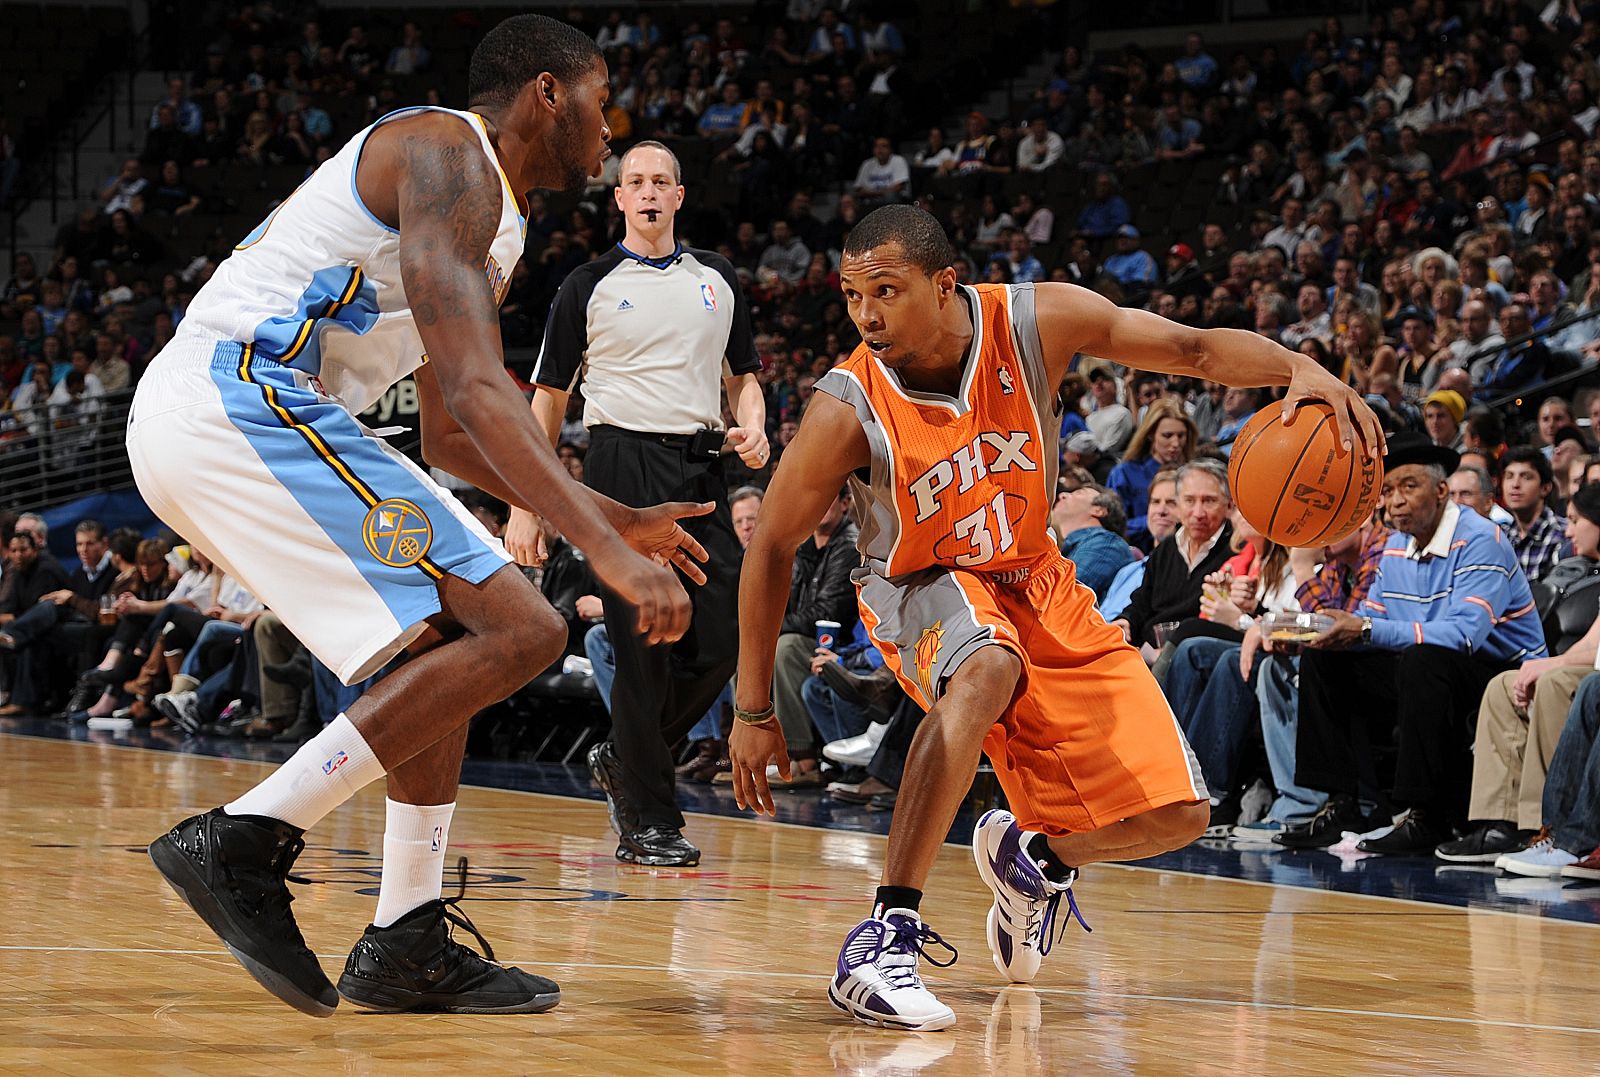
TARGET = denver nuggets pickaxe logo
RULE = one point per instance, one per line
(397, 533)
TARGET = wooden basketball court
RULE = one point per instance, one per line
(722, 969)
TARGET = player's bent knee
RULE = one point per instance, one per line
(991, 674)
(530, 647)
(1176, 825)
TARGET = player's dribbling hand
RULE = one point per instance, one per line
(1358, 426)
(524, 538)
(750, 748)
(656, 533)
(751, 445)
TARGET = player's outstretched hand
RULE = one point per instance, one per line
(751, 445)
(524, 538)
(1357, 423)
(751, 747)
(656, 533)
(650, 588)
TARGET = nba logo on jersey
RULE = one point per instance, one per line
(1006, 385)
(708, 297)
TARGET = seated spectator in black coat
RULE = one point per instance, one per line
(820, 590)
(1178, 566)
(28, 579)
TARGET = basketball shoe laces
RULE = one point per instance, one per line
(902, 941)
(1044, 926)
(265, 893)
(451, 907)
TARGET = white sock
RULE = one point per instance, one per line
(327, 771)
(414, 840)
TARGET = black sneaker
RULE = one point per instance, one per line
(1339, 814)
(232, 871)
(1484, 843)
(415, 965)
(1414, 835)
(607, 771)
(657, 847)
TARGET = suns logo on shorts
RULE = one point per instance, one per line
(925, 654)
(397, 532)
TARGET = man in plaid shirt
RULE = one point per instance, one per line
(1538, 535)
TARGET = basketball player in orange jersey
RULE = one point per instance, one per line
(944, 421)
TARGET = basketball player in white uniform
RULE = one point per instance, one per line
(390, 259)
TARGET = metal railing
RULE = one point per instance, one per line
(52, 454)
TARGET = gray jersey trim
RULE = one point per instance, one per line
(874, 510)
(1042, 395)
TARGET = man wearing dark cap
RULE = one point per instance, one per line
(1416, 346)
(1450, 610)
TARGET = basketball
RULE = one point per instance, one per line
(1291, 483)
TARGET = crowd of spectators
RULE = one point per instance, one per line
(1411, 203)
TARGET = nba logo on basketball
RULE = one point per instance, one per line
(708, 297)
(339, 760)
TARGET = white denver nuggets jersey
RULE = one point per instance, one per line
(316, 286)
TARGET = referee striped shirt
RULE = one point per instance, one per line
(1464, 590)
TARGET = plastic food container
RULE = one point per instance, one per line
(1295, 627)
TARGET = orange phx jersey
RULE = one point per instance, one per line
(964, 481)
(954, 517)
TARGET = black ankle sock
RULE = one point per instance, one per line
(1049, 862)
(895, 897)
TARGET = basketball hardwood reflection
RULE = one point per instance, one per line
(721, 970)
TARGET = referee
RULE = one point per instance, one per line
(651, 327)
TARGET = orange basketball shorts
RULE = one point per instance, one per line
(1088, 739)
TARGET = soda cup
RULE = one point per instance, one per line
(827, 634)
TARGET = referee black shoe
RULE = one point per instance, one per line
(415, 965)
(607, 771)
(657, 847)
(233, 872)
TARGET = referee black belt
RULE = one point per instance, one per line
(684, 442)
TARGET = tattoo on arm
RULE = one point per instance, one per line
(450, 211)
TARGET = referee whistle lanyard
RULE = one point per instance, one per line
(664, 262)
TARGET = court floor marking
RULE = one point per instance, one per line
(1122, 996)
(749, 818)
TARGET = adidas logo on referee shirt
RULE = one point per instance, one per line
(624, 305)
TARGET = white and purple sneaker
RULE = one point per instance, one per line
(1022, 922)
(877, 981)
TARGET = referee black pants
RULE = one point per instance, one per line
(661, 691)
